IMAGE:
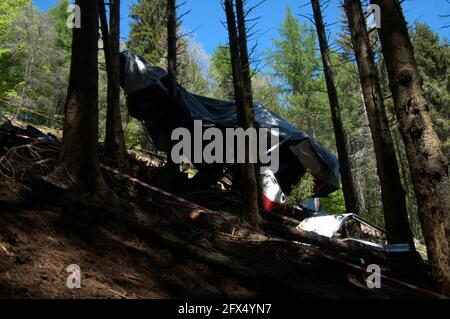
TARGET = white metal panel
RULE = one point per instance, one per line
(324, 225)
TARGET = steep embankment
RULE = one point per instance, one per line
(143, 245)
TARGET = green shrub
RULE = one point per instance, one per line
(334, 203)
(302, 191)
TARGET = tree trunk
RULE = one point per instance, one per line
(428, 164)
(392, 192)
(407, 184)
(247, 80)
(244, 60)
(114, 138)
(79, 155)
(173, 169)
(172, 48)
(348, 186)
(243, 96)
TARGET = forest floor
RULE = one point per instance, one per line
(143, 245)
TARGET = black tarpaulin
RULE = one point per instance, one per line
(148, 101)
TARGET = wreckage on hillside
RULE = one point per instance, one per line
(149, 102)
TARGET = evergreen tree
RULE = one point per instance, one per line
(220, 72)
(148, 34)
(38, 66)
(433, 60)
(296, 67)
(148, 38)
(59, 16)
(9, 78)
(264, 91)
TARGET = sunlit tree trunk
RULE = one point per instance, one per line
(79, 156)
(393, 194)
(428, 164)
(114, 137)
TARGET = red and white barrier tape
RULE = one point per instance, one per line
(399, 282)
(235, 221)
(178, 199)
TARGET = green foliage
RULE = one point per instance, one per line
(9, 78)
(359, 139)
(194, 79)
(376, 219)
(148, 38)
(36, 63)
(294, 59)
(133, 134)
(264, 91)
(8, 12)
(33, 75)
(148, 30)
(190, 73)
(221, 73)
(302, 191)
(433, 58)
(58, 16)
(297, 69)
(334, 203)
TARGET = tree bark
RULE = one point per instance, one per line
(172, 48)
(173, 169)
(244, 60)
(79, 154)
(247, 81)
(428, 164)
(392, 192)
(114, 138)
(243, 96)
(348, 186)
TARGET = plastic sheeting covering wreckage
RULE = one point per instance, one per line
(149, 102)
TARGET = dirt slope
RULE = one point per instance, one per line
(37, 243)
(39, 238)
(141, 245)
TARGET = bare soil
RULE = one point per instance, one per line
(122, 249)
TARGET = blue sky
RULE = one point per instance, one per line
(206, 16)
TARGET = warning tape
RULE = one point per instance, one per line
(236, 221)
(178, 199)
(399, 282)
